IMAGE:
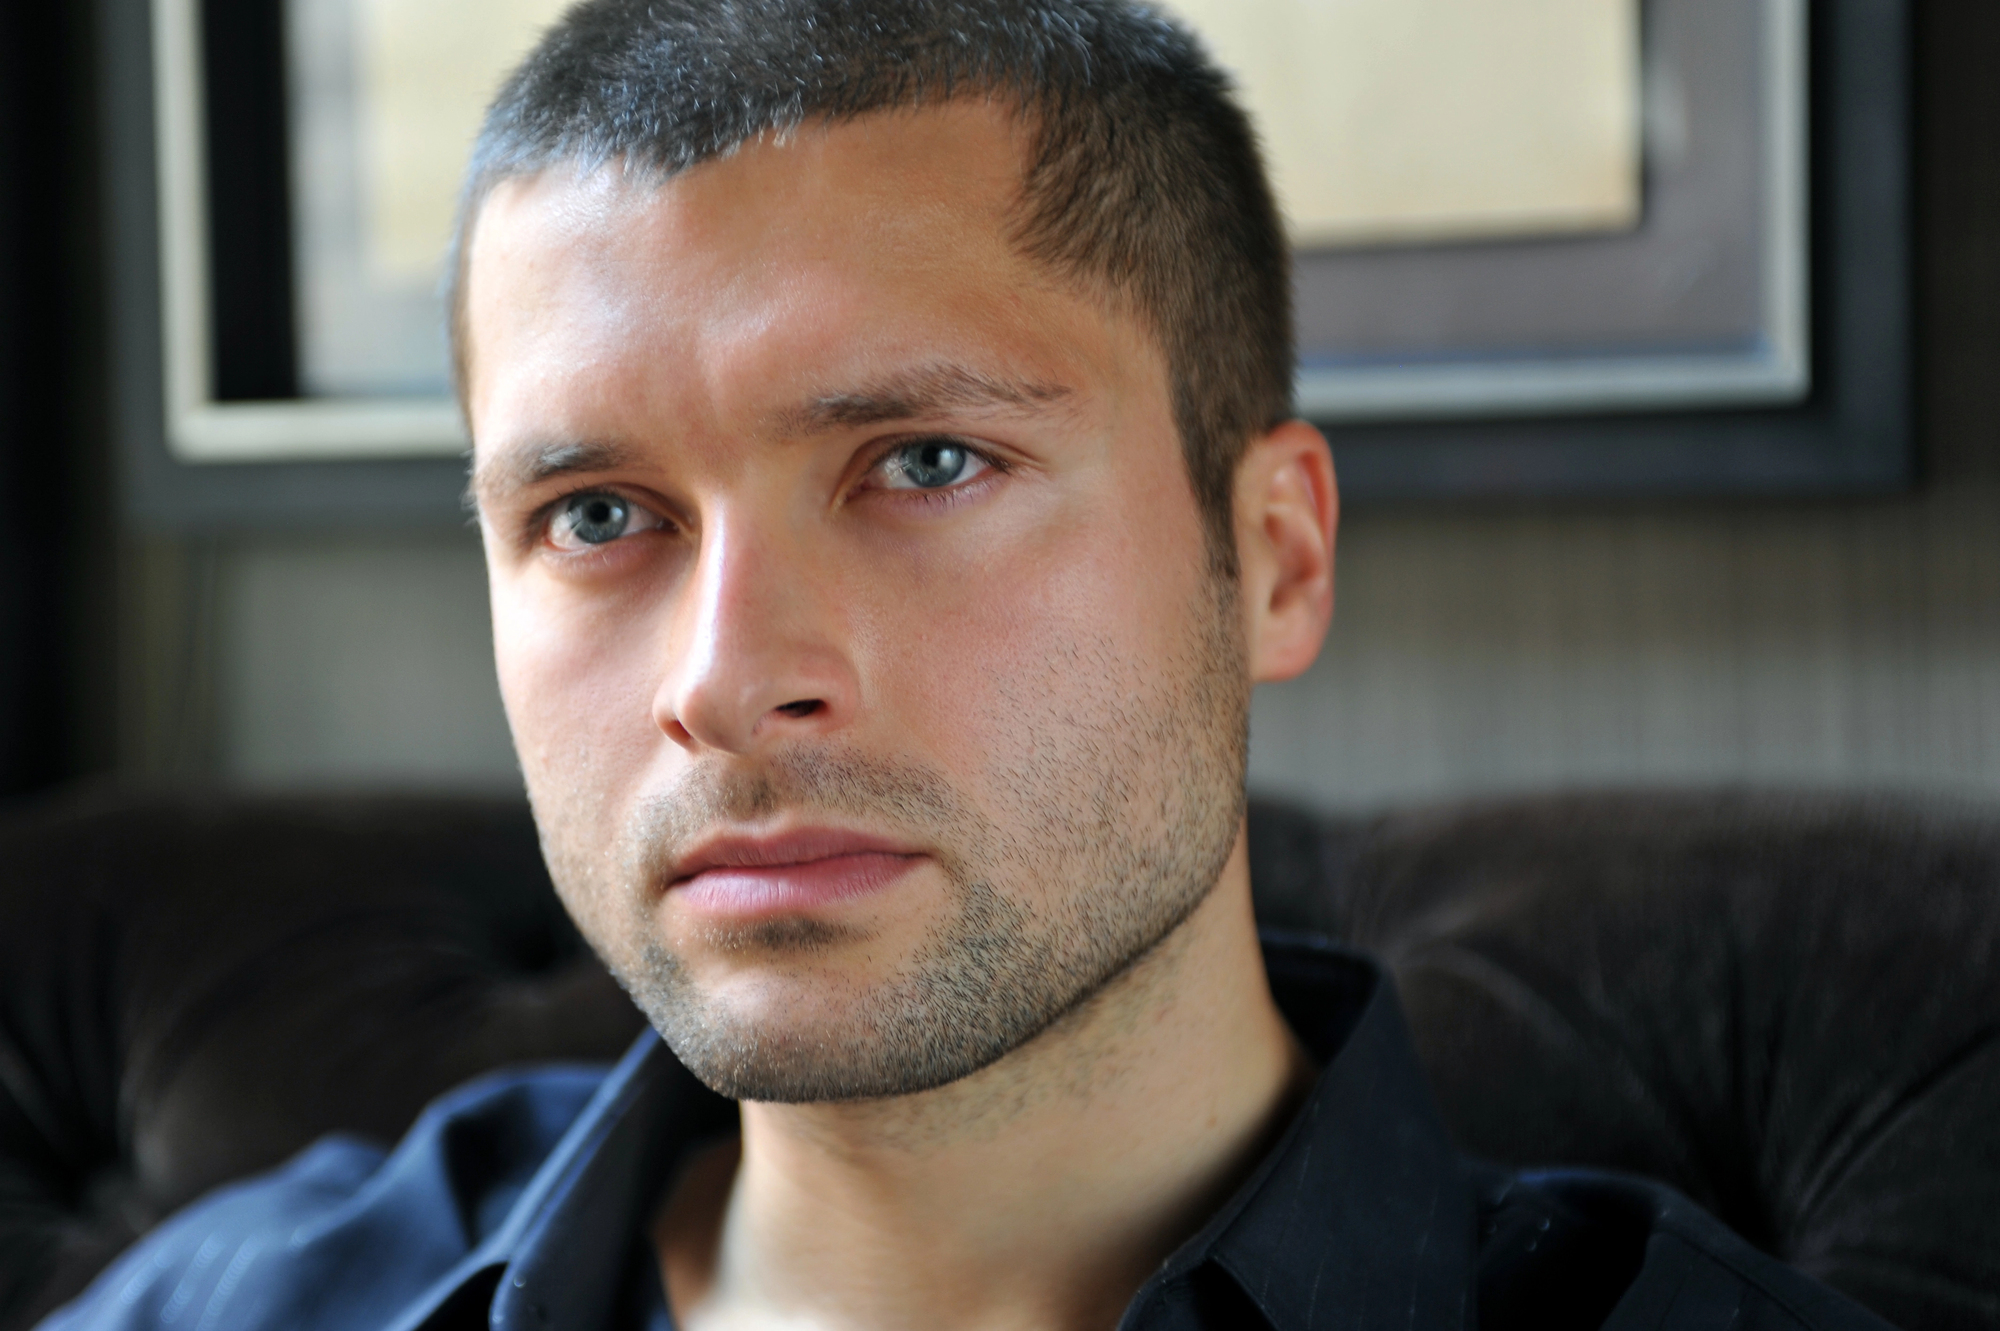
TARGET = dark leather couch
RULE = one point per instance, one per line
(1788, 1007)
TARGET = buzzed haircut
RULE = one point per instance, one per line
(1143, 181)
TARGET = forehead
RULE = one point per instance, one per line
(836, 251)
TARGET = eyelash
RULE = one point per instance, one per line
(540, 523)
(951, 494)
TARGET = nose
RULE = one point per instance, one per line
(758, 655)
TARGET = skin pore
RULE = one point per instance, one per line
(810, 506)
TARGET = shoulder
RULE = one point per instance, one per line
(1586, 1249)
(346, 1233)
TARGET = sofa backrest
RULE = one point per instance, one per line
(1787, 1007)
(192, 989)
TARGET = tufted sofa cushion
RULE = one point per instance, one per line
(192, 989)
(1787, 1007)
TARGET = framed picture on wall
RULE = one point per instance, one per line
(1543, 206)
(315, 331)
(1553, 247)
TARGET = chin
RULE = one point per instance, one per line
(795, 1026)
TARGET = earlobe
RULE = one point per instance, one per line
(1287, 509)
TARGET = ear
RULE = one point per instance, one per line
(1287, 508)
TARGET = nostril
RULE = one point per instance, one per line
(804, 707)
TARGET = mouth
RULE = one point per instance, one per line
(748, 878)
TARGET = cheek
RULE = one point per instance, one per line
(577, 685)
(572, 694)
(989, 659)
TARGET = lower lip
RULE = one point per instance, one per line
(743, 892)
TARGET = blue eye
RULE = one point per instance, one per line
(931, 464)
(592, 519)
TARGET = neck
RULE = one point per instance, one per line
(1038, 1192)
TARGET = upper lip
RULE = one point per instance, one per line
(799, 846)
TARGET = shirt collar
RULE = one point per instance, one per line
(570, 1255)
(1362, 1215)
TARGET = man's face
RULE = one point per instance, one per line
(873, 690)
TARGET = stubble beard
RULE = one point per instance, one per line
(1129, 816)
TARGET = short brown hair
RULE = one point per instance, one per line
(1143, 180)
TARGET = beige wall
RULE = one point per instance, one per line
(325, 660)
(353, 661)
(1852, 644)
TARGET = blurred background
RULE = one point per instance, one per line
(1480, 645)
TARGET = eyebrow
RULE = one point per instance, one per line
(929, 390)
(521, 468)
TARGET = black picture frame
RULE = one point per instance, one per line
(1852, 434)
(251, 297)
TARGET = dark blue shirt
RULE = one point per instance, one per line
(518, 1202)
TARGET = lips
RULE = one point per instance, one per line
(751, 877)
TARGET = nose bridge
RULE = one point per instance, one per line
(737, 609)
(757, 648)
